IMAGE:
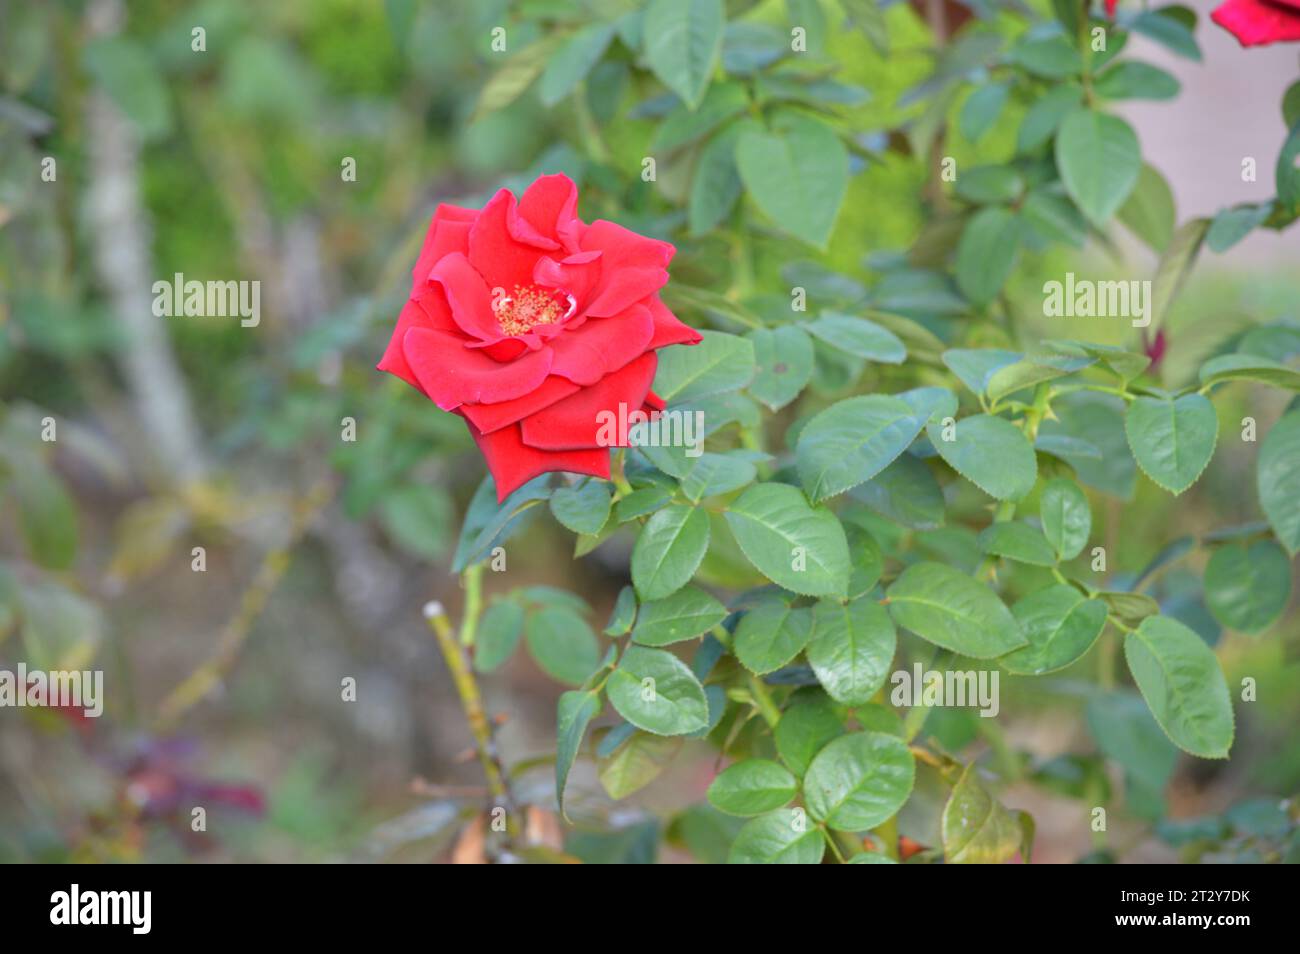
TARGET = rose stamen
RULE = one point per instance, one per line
(527, 308)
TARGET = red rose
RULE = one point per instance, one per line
(1260, 22)
(528, 322)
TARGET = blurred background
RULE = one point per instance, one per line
(226, 666)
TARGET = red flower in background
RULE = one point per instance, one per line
(1260, 22)
(528, 322)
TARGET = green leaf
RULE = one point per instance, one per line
(905, 492)
(488, 524)
(574, 713)
(976, 828)
(128, 73)
(638, 503)
(1050, 216)
(1247, 589)
(851, 649)
(684, 125)
(859, 337)
(563, 644)
(1066, 516)
(1183, 685)
(1044, 117)
(793, 544)
(859, 781)
(582, 507)
(782, 837)
(683, 41)
(509, 82)
(1060, 624)
(635, 763)
(982, 109)
(975, 367)
(852, 441)
(1278, 480)
(803, 731)
(952, 610)
(871, 858)
(869, 17)
(1098, 421)
(655, 691)
(1053, 57)
(868, 564)
(987, 252)
(1149, 210)
(623, 614)
(1127, 734)
(1127, 365)
(719, 363)
(752, 787)
(984, 185)
(1168, 28)
(1030, 371)
(47, 514)
(716, 184)
(1017, 540)
(1232, 225)
(785, 364)
(714, 474)
(669, 551)
(991, 453)
(498, 635)
(1099, 160)
(1133, 79)
(770, 635)
(1172, 440)
(570, 66)
(684, 615)
(798, 176)
(1249, 367)
(1174, 266)
(1129, 608)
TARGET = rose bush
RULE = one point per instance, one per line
(912, 464)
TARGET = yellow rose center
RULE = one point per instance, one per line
(526, 308)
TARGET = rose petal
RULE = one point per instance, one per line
(452, 374)
(504, 247)
(632, 267)
(669, 329)
(429, 311)
(550, 205)
(469, 297)
(587, 354)
(577, 421)
(1257, 23)
(492, 417)
(448, 232)
(513, 463)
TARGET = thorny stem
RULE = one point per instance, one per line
(471, 701)
(209, 675)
